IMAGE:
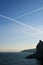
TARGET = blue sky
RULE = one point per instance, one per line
(15, 36)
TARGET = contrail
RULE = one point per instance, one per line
(27, 26)
(30, 12)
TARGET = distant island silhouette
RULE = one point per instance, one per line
(38, 54)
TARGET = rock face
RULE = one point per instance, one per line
(39, 51)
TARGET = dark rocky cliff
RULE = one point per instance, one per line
(39, 51)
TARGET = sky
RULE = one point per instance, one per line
(21, 24)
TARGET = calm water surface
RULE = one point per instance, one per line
(17, 59)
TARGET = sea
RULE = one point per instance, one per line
(17, 58)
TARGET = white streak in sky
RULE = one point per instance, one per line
(30, 12)
(27, 26)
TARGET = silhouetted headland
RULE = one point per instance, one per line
(39, 51)
(29, 50)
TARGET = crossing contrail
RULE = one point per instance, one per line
(30, 12)
(27, 26)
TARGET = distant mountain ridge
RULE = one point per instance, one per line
(29, 50)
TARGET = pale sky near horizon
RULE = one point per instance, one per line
(15, 36)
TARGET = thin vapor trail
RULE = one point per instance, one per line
(27, 26)
(30, 12)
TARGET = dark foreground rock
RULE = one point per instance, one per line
(39, 52)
